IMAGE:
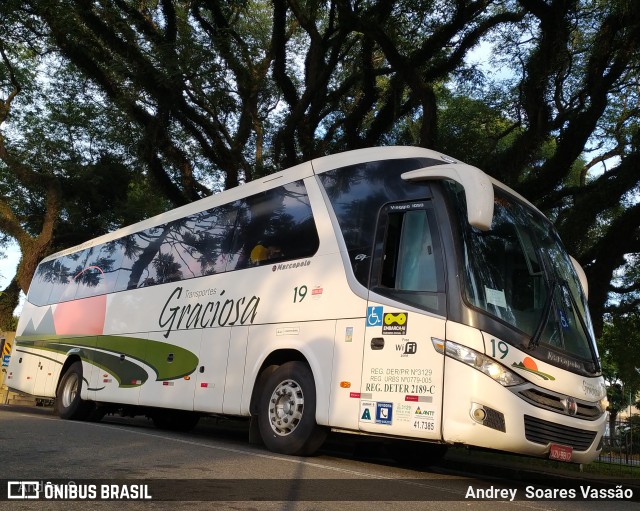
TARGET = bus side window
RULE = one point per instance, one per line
(64, 288)
(416, 259)
(390, 254)
(43, 282)
(273, 226)
(409, 260)
(408, 265)
(99, 275)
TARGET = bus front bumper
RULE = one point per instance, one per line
(478, 411)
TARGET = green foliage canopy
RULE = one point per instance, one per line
(111, 98)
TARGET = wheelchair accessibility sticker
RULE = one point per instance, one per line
(374, 316)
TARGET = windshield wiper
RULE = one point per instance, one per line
(552, 281)
(585, 328)
(546, 312)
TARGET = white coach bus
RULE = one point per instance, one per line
(393, 292)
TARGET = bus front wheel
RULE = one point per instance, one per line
(69, 405)
(287, 411)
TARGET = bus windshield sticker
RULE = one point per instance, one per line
(495, 297)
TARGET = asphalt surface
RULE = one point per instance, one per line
(214, 467)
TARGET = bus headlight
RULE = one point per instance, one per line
(603, 404)
(484, 364)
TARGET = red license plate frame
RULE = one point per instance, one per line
(559, 452)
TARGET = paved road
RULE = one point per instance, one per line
(215, 468)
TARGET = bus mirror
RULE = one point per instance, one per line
(582, 276)
(478, 189)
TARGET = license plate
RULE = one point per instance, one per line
(560, 452)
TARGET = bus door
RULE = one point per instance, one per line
(401, 390)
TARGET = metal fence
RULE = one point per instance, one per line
(621, 443)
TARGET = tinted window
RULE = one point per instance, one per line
(65, 285)
(272, 226)
(152, 259)
(408, 257)
(43, 281)
(204, 241)
(519, 272)
(358, 192)
(98, 272)
(191, 247)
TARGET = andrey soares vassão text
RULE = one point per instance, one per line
(582, 492)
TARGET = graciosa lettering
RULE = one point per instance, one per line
(223, 312)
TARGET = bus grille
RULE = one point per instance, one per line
(494, 419)
(543, 432)
(553, 402)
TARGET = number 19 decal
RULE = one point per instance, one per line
(502, 346)
(299, 293)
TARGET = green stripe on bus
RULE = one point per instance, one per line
(155, 354)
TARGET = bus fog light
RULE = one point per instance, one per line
(477, 413)
(488, 417)
(603, 404)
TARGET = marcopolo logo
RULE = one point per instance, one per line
(395, 323)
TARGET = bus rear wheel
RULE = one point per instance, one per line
(287, 410)
(69, 405)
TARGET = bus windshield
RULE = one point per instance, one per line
(519, 272)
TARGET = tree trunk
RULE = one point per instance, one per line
(613, 417)
(8, 302)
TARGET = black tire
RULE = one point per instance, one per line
(175, 420)
(287, 411)
(69, 405)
